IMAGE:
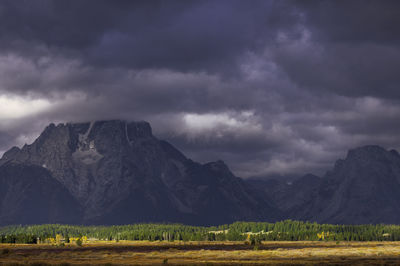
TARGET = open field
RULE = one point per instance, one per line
(203, 253)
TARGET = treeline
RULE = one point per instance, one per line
(287, 230)
(21, 238)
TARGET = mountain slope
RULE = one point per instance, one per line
(114, 172)
(363, 188)
(292, 198)
(120, 173)
(28, 194)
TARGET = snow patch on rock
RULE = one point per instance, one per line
(86, 152)
(126, 134)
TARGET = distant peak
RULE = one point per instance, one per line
(368, 155)
(366, 151)
(370, 148)
(11, 153)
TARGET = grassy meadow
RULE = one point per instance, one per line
(202, 253)
(241, 243)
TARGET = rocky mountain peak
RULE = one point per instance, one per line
(120, 173)
(84, 157)
(11, 153)
(367, 160)
(368, 153)
(361, 188)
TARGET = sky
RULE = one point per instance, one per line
(273, 88)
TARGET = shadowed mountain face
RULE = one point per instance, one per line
(114, 172)
(290, 197)
(363, 188)
(120, 173)
(29, 194)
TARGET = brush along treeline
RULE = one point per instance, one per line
(287, 230)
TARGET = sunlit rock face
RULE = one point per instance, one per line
(120, 173)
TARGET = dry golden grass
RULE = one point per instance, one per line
(203, 253)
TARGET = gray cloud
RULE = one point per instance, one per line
(186, 36)
(272, 87)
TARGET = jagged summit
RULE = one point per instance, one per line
(79, 135)
(362, 188)
(369, 152)
(371, 160)
(120, 173)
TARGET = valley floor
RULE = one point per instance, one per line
(203, 253)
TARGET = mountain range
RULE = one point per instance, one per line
(118, 172)
(115, 172)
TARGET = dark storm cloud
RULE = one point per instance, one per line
(353, 48)
(346, 69)
(181, 35)
(5, 139)
(353, 21)
(271, 87)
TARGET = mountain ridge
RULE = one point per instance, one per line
(362, 188)
(120, 173)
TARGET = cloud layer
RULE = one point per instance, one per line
(274, 88)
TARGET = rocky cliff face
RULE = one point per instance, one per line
(120, 173)
(363, 188)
